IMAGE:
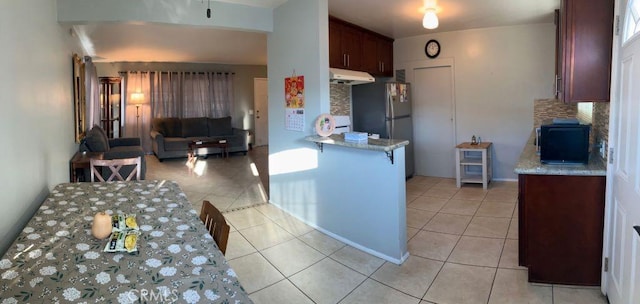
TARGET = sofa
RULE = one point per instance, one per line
(96, 140)
(171, 136)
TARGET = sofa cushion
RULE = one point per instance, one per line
(96, 140)
(194, 127)
(169, 127)
(220, 126)
(176, 143)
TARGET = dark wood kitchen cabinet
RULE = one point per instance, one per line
(345, 46)
(584, 40)
(355, 48)
(377, 55)
(561, 220)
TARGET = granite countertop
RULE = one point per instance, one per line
(529, 163)
(381, 144)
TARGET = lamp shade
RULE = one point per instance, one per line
(137, 98)
(430, 20)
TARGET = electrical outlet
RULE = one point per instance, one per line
(603, 149)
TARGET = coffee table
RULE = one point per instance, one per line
(198, 144)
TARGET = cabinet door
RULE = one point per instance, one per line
(385, 56)
(337, 59)
(351, 43)
(587, 36)
(370, 59)
(564, 220)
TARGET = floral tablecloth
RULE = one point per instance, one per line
(56, 259)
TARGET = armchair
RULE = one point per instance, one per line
(116, 148)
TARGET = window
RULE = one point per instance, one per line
(632, 20)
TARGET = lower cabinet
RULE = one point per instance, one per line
(561, 220)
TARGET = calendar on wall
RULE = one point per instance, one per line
(294, 103)
(294, 119)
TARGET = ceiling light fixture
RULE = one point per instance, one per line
(430, 20)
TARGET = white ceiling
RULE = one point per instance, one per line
(111, 42)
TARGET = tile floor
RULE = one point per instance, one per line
(462, 245)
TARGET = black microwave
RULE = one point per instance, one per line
(564, 143)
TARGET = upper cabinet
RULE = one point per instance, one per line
(355, 48)
(377, 55)
(584, 40)
(345, 46)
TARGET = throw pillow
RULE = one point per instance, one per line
(95, 140)
(158, 125)
(220, 126)
(173, 127)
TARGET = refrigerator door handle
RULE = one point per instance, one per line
(392, 116)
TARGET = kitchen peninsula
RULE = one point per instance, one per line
(365, 203)
(561, 219)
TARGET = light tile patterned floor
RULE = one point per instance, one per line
(463, 246)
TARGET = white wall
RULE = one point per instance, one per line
(357, 196)
(36, 110)
(498, 73)
(243, 81)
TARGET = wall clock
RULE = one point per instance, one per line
(432, 48)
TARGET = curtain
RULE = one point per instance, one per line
(191, 94)
(92, 94)
(137, 114)
(174, 94)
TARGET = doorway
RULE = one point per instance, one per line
(261, 115)
(621, 281)
(434, 118)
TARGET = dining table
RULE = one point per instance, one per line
(56, 259)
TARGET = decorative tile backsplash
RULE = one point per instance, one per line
(340, 96)
(601, 121)
(545, 109)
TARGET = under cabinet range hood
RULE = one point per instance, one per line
(349, 77)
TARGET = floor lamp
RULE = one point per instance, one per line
(137, 99)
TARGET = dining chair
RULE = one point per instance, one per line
(216, 224)
(115, 165)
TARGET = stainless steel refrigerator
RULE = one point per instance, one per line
(385, 109)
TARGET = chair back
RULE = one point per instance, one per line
(115, 165)
(216, 224)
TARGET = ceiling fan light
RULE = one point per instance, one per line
(430, 20)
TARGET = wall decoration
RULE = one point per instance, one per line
(294, 103)
(325, 124)
(79, 102)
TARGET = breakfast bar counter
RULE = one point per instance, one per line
(378, 144)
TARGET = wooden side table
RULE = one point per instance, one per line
(81, 161)
(469, 156)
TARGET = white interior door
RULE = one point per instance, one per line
(261, 115)
(433, 123)
(623, 276)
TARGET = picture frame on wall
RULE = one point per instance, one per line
(79, 97)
